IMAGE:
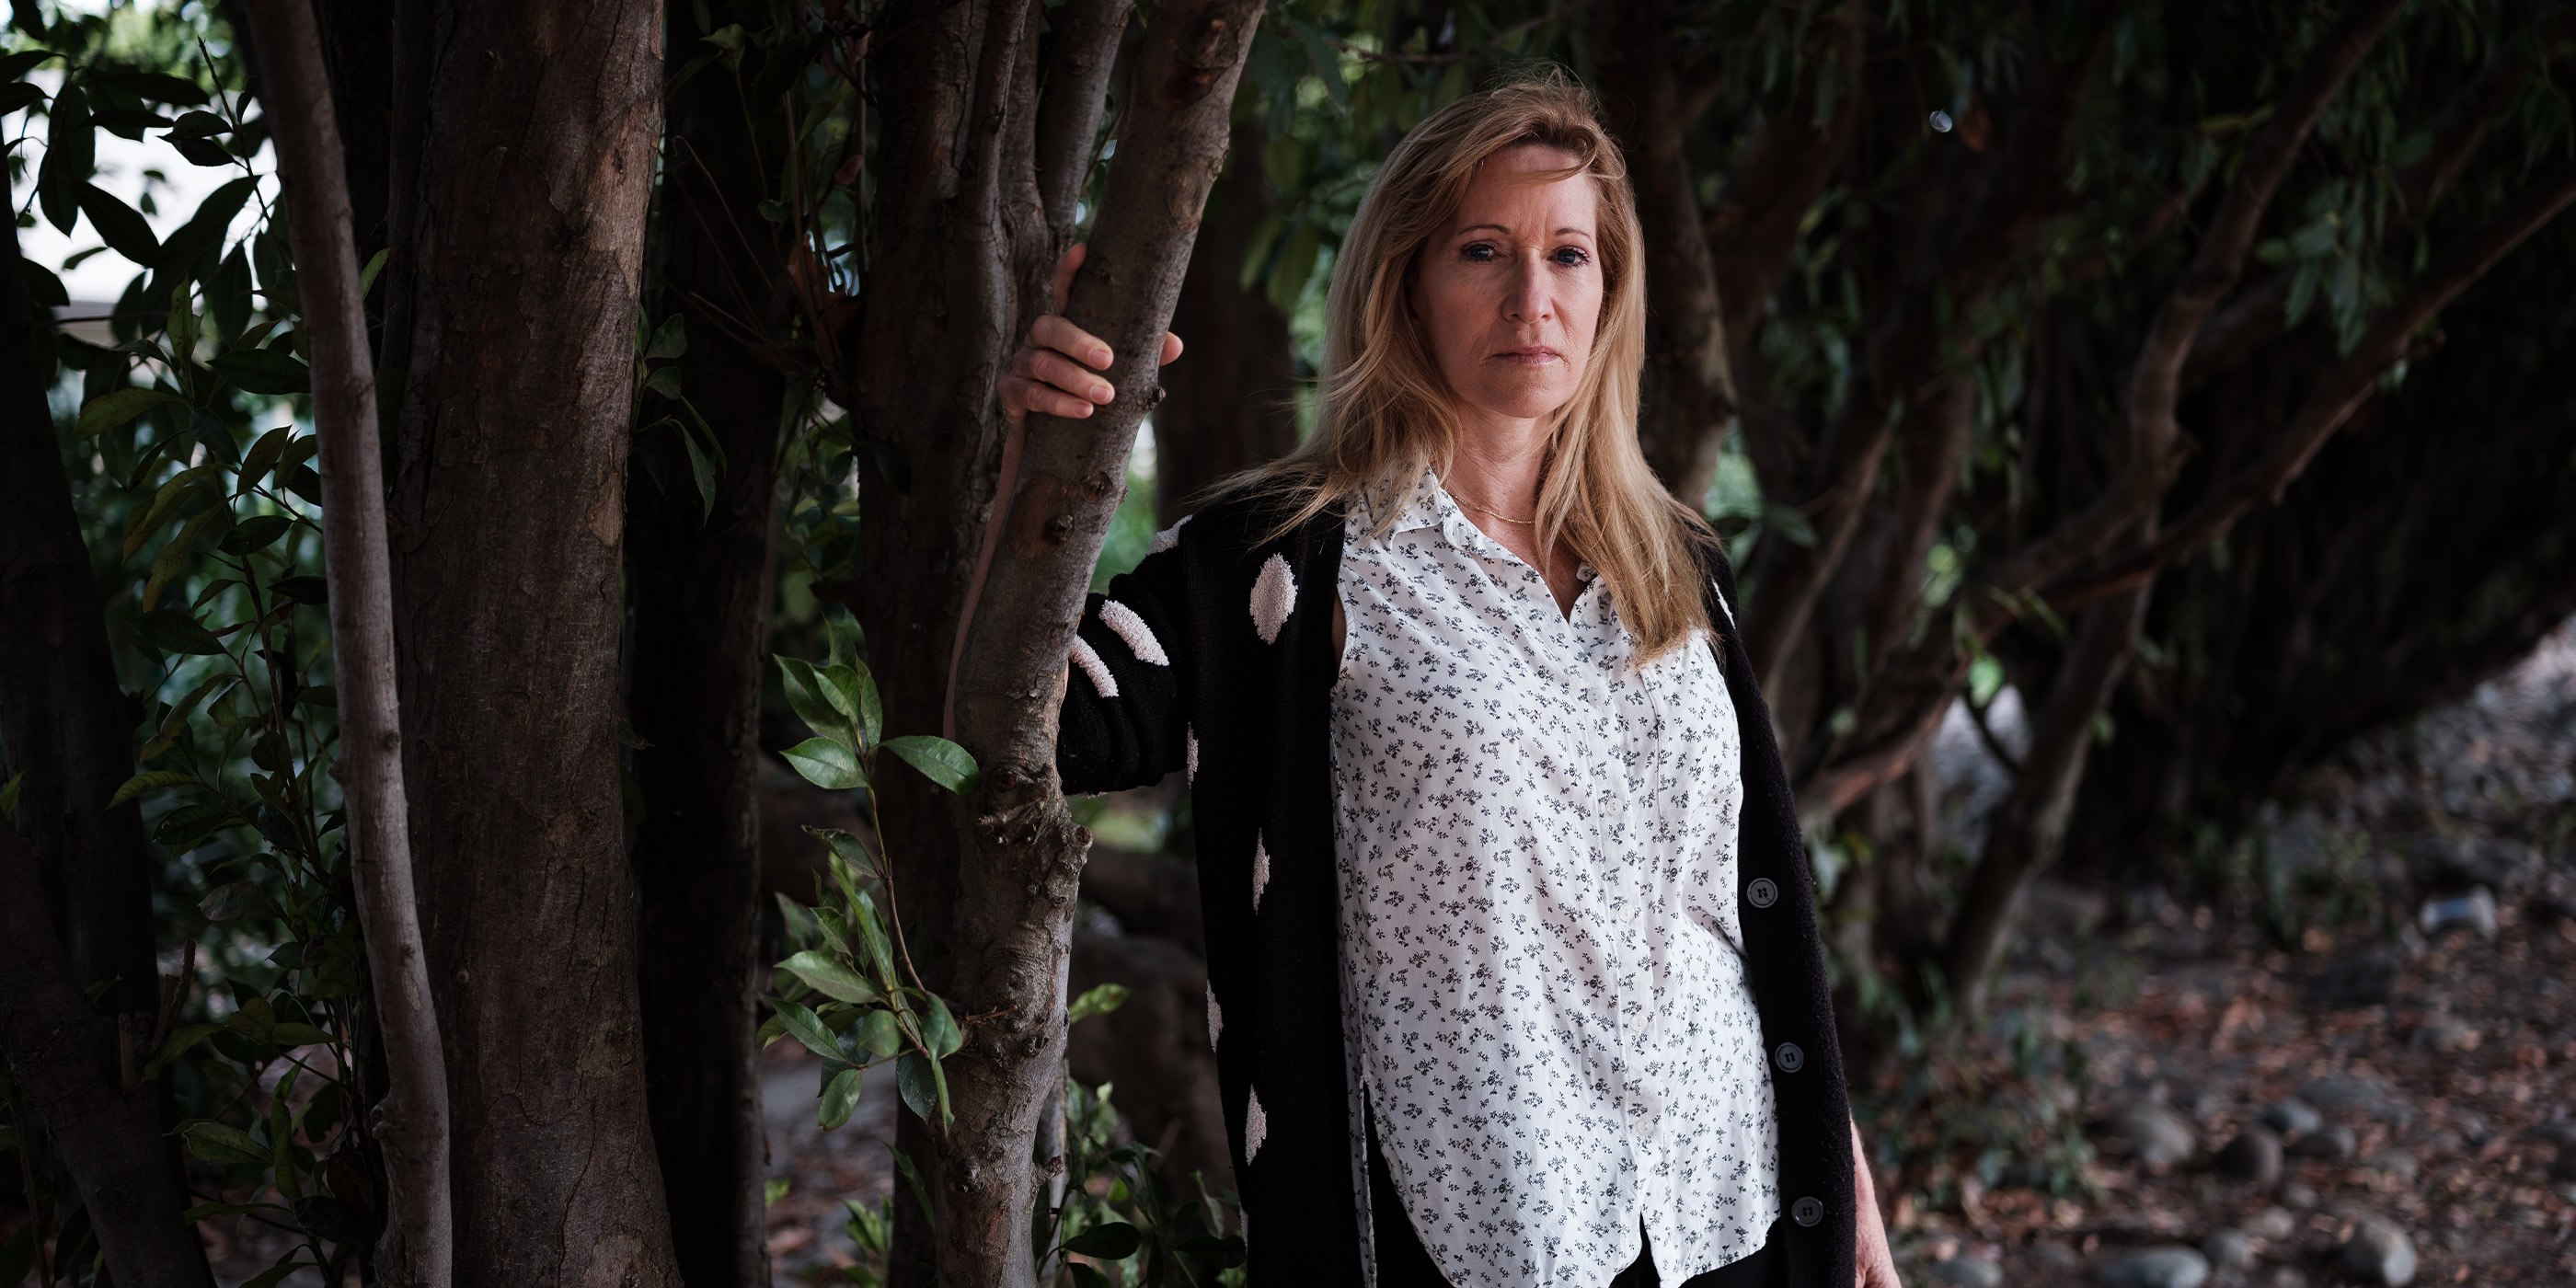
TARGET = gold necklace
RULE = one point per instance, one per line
(1482, 510)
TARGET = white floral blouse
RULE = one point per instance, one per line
(1546, 1000)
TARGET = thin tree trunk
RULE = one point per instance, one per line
(946, 248)
(699, 582)
(1013, 924)
(2029, 828)
(412, 1119)
(1230, 405)
(73, 888)
(525, 220)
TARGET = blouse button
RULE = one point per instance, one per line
(1807, 1211)
(1762, 893)
(1790, 1059)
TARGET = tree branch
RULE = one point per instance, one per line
(1012, 925)
(2155, 383)
(413, 1119)
(2336, 396)
(1075, 93)
(2257, 316)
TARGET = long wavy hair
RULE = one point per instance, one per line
(1384, 413)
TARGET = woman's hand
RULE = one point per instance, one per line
(1875, 1262)
(1057, 370)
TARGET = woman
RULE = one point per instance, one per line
(1514, 972)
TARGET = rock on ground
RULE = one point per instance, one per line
(2380, 1253)
(2170, 1266)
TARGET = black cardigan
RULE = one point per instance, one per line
(1240, 697)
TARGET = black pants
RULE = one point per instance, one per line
(1402, 1261)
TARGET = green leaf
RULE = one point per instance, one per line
(147, 519)
(920, 1090)
(939, 760)
(118, 407)
(828, 976)
(826, 764)
(265, 454)
(235, 901)
(1114, 1241)
(18, 1255)
(880, 1035)
(1327, 64)
(10, 793)
(1224, 1254)
(1296, 264)
(670, 340)
(257, 532)
(265, 371)
(939, 1029)
(804, 1027)
(11, 68)
(847, 641)
(847, 848)
(275, 1274)
(299, 1035)
(701, 468)
(179, 1043)
(200, 151)
(124, 231)
(19, 97)
(1086, 1277)
(172, 630)
(810, 700)
(155, 87)
(336, 1221)
(216, 1143)
(367, 275)
(840, 1096)
(1099, 999)
(198, 125)
(303, 590)
(153, 780)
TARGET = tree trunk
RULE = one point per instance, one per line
(73, 880)
(2029, 829)
(1688, 389)
(699, 583)
(1231, 404)
(1013, 922)
(64, 723)
(947, 254)
(66, 1058)
(525, 223)
(411, 1120)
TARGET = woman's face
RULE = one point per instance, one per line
(1510, 293)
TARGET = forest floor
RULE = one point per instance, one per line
(2424, 1083)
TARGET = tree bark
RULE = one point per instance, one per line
(698, 581)
(525, 220)
(1012, 928)
(1231, 405)
(64, 722)
(950, 236)
(65, 1056)
(412, 1119)
(74, 889)
(1688, 388)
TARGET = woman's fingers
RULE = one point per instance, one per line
(1053, 368)
(1171, 347)
(1021, 395)
(1054, 332)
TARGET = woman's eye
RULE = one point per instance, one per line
(1571, 256)
(1478, 251)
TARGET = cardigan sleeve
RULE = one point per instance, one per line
(1124, 723)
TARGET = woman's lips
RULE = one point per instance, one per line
(1534, 355)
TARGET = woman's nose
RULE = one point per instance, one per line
(1528, 301)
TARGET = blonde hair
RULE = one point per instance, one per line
(1384, 414)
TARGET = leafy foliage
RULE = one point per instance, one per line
(851, 995)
